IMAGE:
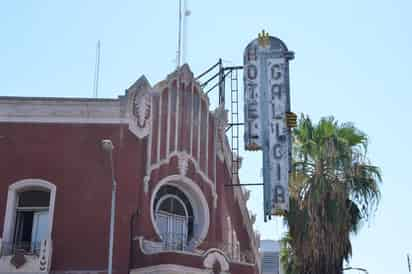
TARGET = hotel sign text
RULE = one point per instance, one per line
(266, 93)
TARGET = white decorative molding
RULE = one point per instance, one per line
(40, 263)
(45, 255)
(183, 162)
(198, 202)
(146, 184)
(246, 194)
(169, 116)
(220, 115)
(192, 94)
(183, 155)
(215, 197)
(223, 150)
(139, 107)
(148, 154)
(213, 256)
(33, 263)
(207, 141)
(10, 216)
(132, 109)
(183, 77)
(252, 218)
(61, 110)
(170, 269)
(248, 223)
(159, 125)
(257, 238)
(149, 247)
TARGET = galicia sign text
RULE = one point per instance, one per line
(266, 93)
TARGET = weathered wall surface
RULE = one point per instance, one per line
(172, 133)
(71, 157)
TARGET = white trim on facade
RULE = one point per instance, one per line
(201, 216)
(159, 129)
(177, 111)
(207, 142)
(213, 256)
(10, 216)
(169, 118)
(146, 179)
(182, 155)
(192, 92)
(170, 269)
(63, 110)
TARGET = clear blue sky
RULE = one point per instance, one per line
(353, 61)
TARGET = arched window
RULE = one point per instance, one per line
(174, 217)
(32, 220)
(29, 216)
(179, 214)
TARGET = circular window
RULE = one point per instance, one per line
(180, 214)
(174, 217)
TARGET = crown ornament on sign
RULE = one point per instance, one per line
(263, 39)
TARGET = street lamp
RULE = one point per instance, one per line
(108, 147)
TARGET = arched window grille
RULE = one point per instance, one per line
(174, 217)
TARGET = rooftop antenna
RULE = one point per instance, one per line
(181, 33)
(187, 13)
(96, 71)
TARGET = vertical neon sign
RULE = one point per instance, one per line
(267, 102)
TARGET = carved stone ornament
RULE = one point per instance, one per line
(221, 123)
(221, 117)
(139, 97)
(141, 110)
(215, 256)
(44, 256)
(183, 163)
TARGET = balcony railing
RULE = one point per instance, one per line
(26, 248)
(179, 241)
(174, 241)
(25, 257)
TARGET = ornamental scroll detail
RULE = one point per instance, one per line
(140, 107)
(141, 110)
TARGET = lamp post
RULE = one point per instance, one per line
(108, 147)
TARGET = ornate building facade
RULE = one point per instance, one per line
(171, 161)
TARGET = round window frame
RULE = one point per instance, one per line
(167, 196)
(198, 202)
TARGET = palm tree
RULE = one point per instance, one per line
(333, 189)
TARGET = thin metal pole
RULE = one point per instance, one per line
(112, 216)
(179, 36)
(107, 146)
(184, 31)
(97, 71)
